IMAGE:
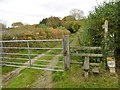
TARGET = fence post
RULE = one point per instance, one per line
(66, 52)
(105, 38)
(86, 67)
(1, 50)
(29, 53)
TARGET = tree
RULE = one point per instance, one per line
(77, 13)
(71, 24)
(17, 24)
(44, 21)
(53, 22)
(117, 41)
(68, 18)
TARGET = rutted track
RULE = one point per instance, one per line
(45, 80)
(15, 72)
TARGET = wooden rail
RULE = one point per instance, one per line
(86, 64)
(87, 48)
(88, 55)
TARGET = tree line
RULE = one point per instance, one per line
(71, 22)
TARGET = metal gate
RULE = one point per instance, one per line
(36, 54)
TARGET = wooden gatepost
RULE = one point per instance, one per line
(66, 51)
(108, 54)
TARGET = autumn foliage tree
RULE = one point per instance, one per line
(51, 22)
(17, 24)
(70, 23)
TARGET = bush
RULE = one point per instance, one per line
(95, 20)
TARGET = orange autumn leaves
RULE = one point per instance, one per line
(34, 33)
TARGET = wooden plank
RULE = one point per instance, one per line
(95, 64)
(86, 63)
(76, 62)
(87, 48)
(95, 70)
(91, 64)
(88, 55)
(66, 52)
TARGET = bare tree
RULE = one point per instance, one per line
(77, 13)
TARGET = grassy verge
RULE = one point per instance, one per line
(24, 79)
(74, 79)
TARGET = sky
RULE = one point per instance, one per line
(33, 11)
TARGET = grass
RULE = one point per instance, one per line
(28, 76)
(54, 52)
(24, 79)
(6, 69)
(74, 79)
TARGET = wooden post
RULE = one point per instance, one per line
(29, 53)
(86, 67)
(105, 38)
(66, 52)
(1, 50)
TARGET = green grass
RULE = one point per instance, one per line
(46, 58)
(54, 52)
(24, 79)
(28, 76)
(74, 79)
(6, 69)
(41, 63)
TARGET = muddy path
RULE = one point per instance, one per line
(45, 79)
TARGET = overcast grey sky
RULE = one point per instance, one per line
(32, 11)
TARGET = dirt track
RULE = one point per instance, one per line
(14, 73)
(45, 79)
